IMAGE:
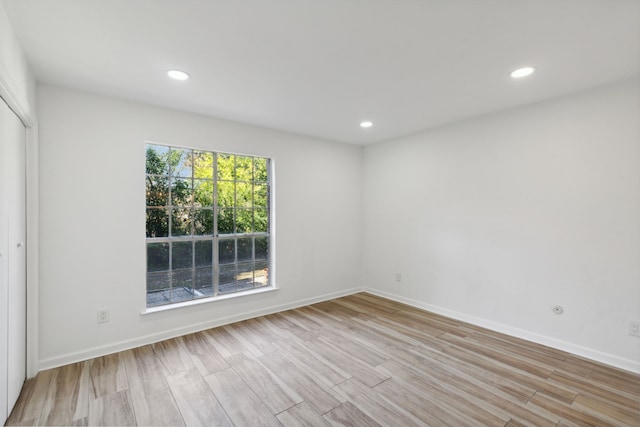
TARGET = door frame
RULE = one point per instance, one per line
(25, 112)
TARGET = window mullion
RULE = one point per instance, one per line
(170, 270)
(193, 226)
(216, 257)
(170, 196)
(235, 221)
(253, 219)
(169, 222)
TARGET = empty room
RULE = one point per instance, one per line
(320, 213)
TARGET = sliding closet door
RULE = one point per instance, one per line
(4, 265)
(13, 262)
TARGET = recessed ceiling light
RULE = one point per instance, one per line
(522, 72)
(366, 124)
(177, 75)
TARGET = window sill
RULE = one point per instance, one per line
(199, 301)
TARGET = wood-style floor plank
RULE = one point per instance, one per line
(67, 399)
(107, 375)
(158, 408)
(487, 379)
(29, 406)
(353, 367)
(252, 341)
(347, 344)
(224, 342)
(275, 394)
(302, 415)
(612, 396)
(290, 322)
(472, 384)
(521, 377)
(319, 396)
(616, 379)
(240, 402)
(376, 407)
(603, 409)
(203, 353)
(145, 373)
(196, 401)
(568, 412)
(173, 356)
(425, 384)
(359, 360)
(11, 422)
(428, 410)
(313, 363)
(111, 410)
(347, 415)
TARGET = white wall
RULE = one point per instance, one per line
(492, 220)
(17, 85)
(497, 219)
(92, 225)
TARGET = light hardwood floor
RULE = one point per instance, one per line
(353, 361)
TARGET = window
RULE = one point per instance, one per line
(208, 223)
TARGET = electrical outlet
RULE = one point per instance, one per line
(103, 315)
(634, 328)
(398, 277)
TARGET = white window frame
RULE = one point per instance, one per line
(216, 237)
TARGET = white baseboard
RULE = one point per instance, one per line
(115, 347)
(589, 353)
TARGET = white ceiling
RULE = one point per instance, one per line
(319, 67)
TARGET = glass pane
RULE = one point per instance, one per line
(225, 221)
(244, 168)
(262, 248)
(262, 273)
(181, 162)
(158, 281)
(260, 171)
(203, 164)
(226, 251)
(157, 257)
(261, 221)
(204, 253)
(226, 194)
(225, 166)
(245, 249)
(243, 194)
(244, 221)
(261, 195)
(203, 193)
(157, 156)
(226, 279)
(157, 190)
(181, 192)
(180, 222)
(244, 279)
(157, 222)
(204, 282)
(202, 222)
(181, 285)
(181, 255)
